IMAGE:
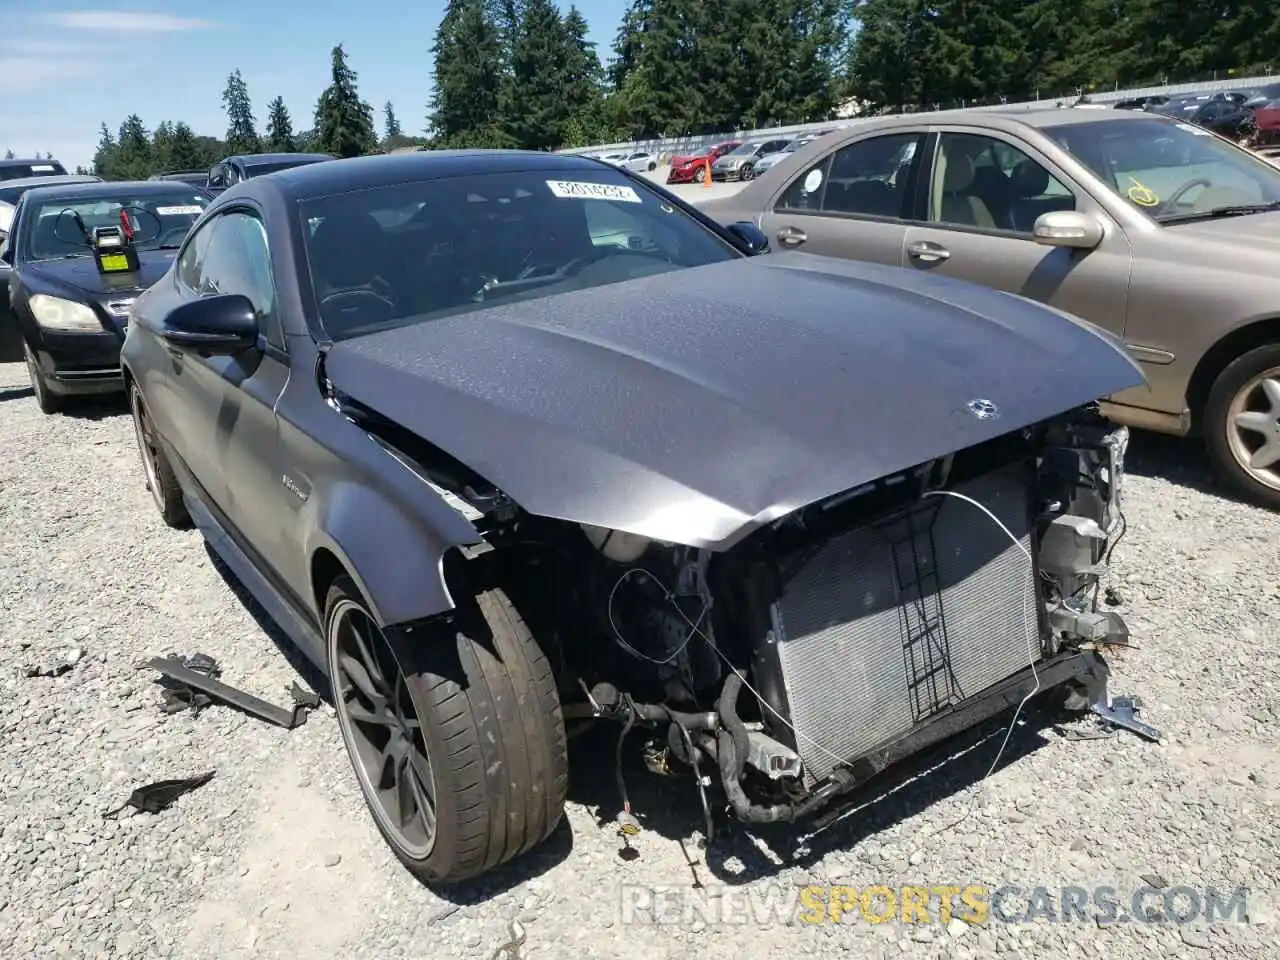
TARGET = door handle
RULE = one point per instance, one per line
(928, 251)
(792, 236)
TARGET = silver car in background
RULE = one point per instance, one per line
(740, 163)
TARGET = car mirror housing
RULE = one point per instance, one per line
(755, 239)
(221, 325)
(1068, 228)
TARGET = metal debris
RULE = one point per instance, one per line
(193, 682)
(1122, 712)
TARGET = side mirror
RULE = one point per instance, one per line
(221, 325)
(1068, 228)
(756, 240)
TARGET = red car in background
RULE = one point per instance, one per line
(1267, 119)
(693, 167)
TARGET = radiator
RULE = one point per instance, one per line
(887, 624)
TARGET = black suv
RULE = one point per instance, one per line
(21, 169)
(232, 170)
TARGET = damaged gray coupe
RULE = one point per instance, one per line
(506, 441)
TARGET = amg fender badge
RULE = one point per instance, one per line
(983, 409)
(292, 486)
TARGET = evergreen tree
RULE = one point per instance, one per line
(391, 125)
(134, 155)
(184, 151)
(582, 81)
(242, 137)
(280, 137)
(344, 122)
(537, 112)
(105, 154)
(162, 146)
(464, 103)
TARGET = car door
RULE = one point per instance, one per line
(237, 395)
(984, 192)
(172, 385)
(851, 202)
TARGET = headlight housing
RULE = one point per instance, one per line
(55, 313)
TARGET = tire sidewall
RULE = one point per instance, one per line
(47, 401)
(1216, 428)
(343, 597)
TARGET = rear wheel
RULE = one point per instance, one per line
(457, 741)
(160, 478)
(1242, 424)
(46, 400)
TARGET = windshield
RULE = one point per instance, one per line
(12, 194)
(746, 150)
(159, 220)
(408, 253)
(1171, 171)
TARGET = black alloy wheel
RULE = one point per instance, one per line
(382, 730)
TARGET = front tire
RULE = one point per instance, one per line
(457, 739)
(48, 401)
(160, 478)
(1242, 424)
(701, 175)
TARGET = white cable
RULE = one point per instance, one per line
(621, 640)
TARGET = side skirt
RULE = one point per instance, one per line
(217, 531)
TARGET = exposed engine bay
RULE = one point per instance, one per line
(839, 639)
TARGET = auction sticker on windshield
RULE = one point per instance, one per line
(579, 190)
(188, 210)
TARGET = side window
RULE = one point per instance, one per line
(865, 178)
(979, 181)
(192, 256)
(237, 260)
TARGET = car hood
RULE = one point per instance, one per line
(698, 405)
(81, 277)
(1256, 230)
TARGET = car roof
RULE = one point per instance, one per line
(341, 176)
(51, 179)
(255, 159)
(20, 162)
(1009, 121)
(102, 189)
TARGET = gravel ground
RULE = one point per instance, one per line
(276, 856)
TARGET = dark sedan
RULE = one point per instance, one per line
(71, 315)
(504, 440)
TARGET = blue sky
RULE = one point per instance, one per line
(67, 67)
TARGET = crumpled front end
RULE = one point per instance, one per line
(863, 628)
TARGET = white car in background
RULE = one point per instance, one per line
(639, 161)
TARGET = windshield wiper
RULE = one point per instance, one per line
(1228, 210)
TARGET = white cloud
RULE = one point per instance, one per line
(35, 73)
(123, 22)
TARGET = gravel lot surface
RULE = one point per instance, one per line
(276, 856)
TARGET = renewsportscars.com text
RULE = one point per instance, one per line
(934, 904)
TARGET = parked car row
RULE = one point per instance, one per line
(1250, 116)
(338, 373)
(1155, 229)
(735, 159)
